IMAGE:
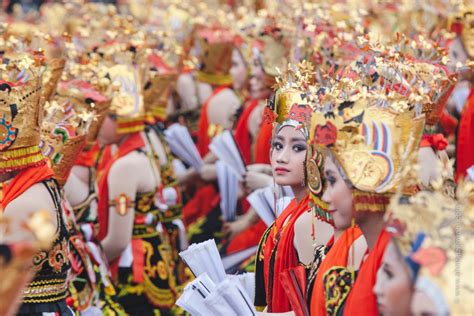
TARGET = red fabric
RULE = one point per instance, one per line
(448, 123)
(133, 142)
(465, 148)
(242, 135)
(204, 139)
(24, 180)
(248, 238)
(286, 256)
(138, 252)
(203, 201)
(361, 299)
(337, 256)
(262, 144)
(435, 141)
(88, 158)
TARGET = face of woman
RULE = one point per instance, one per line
(258, 87)
(288, 155)
(238, 71)
(393, 287)
(338, 195)
(108, 132)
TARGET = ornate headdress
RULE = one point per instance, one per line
(20, 112)
(215, 55)
(295, 100)
(463, 25)
(127, 99)
(434, 233)
(158, 84)
(370, 123)
(86, 101)
(64, 131)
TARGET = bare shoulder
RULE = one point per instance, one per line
(226, 95)
(36, 198)
(129, 163)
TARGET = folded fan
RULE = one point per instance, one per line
(263, 201)
(192, 299)
(228, 189)
(226, 149)
(182, 145)
(229, 298)
(247, 281)
(204, 257)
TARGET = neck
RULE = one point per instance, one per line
(299, 192)
(337, 233)
(371, 228)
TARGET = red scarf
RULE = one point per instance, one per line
(337, 256)
(133, 142)
(465, 148)
(361, 299)
(263, 143)
(88, 158)
(24, 180)
(204, 139)
(242, 134)
(285, 257)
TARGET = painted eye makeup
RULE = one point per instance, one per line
(299, 148)
(277, 145)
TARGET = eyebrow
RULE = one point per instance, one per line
(298, 139)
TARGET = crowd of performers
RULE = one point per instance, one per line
(356, 118)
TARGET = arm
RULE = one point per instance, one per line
(243, 222)
(120, 226)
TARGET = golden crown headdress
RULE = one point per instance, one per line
(126, 98)
(434, 233)
(64, 132)
(215, 46)
(90, 105)
(370, 122)
(20, 112)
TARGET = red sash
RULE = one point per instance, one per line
(361, 299)
(242, 135)
(24, 180)
(465, 148)
(285, 257)
(88, 158)
(263, 143)
(204, 139)
(133, 142)
(337, 256)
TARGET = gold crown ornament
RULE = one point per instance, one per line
(63, 136)
(466, 21)
(89, 104)
(20, 112)
(434, 233)
(370, 123)
(126, 96)
(51, 77)
(215, 46)
(294, 102)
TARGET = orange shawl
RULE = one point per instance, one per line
(242, 135)
(337, 256)
(464, 146)
(24, 180)
(133, 142)
(204, 139)
(361, 299)
(88, 158)
(281, 246)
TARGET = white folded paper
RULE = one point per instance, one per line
(229, 298)
(247, 281)
(263, 201)
(192, 299)
(228, 189)
(226, 149)
(204, 257)
(182, 145)
(203, 297)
